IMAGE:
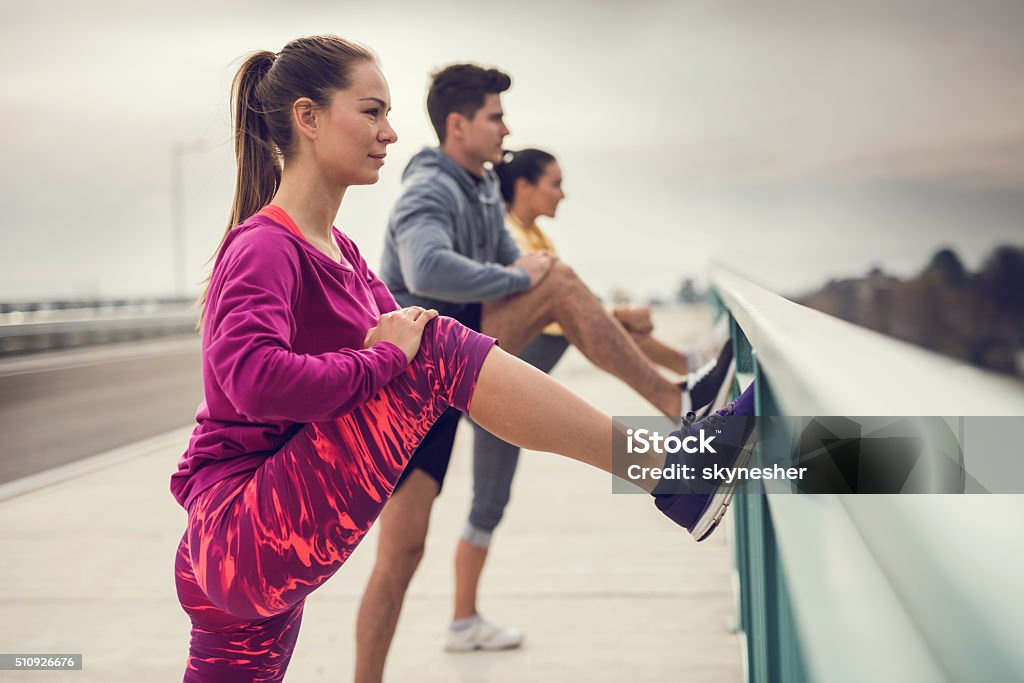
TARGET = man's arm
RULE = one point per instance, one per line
(432, 268)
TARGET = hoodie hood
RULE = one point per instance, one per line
(430, 160)
(446, 245)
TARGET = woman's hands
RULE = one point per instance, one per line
(403, 328)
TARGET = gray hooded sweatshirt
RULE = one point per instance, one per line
(447, 244)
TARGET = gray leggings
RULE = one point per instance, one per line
(494, 460)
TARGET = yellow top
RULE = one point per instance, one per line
(530, 239)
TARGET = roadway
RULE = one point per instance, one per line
(59, 407)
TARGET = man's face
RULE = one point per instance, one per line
(482, 135)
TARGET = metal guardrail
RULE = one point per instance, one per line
(870, 587)
(90, 304)
(33, 326)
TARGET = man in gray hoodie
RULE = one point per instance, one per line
(447, 248)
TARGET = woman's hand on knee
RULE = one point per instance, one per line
(403, 328)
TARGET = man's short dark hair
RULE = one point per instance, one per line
(462, 88)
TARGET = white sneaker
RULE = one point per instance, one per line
(483, 635)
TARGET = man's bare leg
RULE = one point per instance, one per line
(403, 533)
(563, 298)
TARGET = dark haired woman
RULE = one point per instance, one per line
(317, 388)
(531, 184)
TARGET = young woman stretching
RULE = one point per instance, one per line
(317, 389)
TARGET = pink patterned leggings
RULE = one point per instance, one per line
(258, 543)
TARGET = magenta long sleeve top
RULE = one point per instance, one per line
(282, 346)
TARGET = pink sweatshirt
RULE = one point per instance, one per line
(282, 346)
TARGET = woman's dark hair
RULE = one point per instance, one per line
(262, 94)
(526, 163)
(461, 88)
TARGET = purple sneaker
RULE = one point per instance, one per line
(700, 512)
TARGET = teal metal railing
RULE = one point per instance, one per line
(861, 588)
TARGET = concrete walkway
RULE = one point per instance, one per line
(605, 587)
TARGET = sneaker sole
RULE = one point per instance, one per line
(719, 505)
(476, 647)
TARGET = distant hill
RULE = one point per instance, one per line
(976, 317)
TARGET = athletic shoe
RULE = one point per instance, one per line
(483, 635)
(700, 512)
(709, 386)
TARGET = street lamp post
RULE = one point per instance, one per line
(179, 152)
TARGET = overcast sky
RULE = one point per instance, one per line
(795, 141)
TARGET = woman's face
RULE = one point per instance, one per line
(544, 195)
(353, 142)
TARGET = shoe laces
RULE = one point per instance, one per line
(715, 419)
